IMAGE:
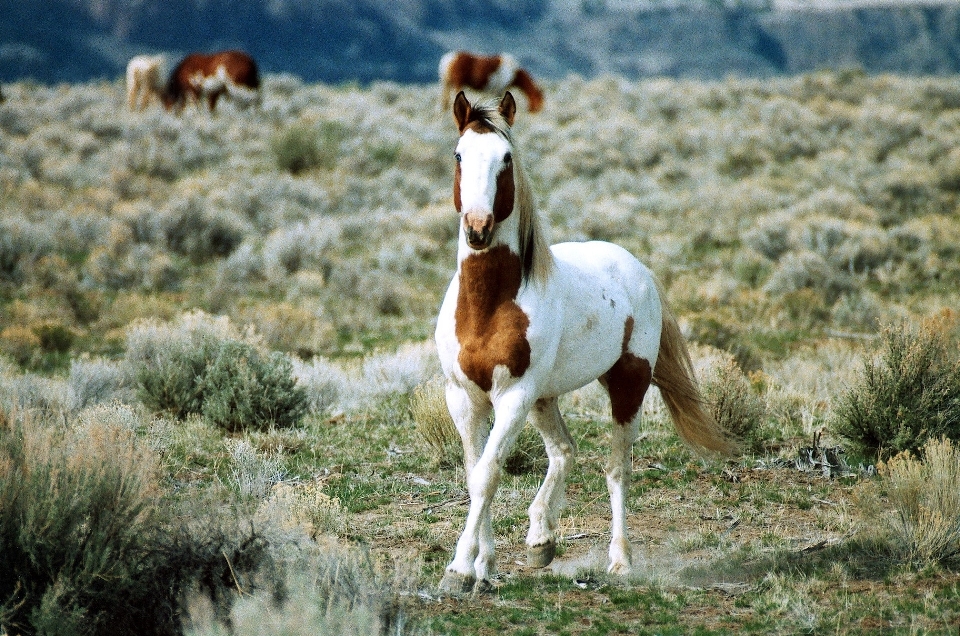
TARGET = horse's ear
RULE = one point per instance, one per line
(508, 108)
(461, 111)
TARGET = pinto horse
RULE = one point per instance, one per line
(199, 75)
(144, 80)
(523, 323)
(493, 74)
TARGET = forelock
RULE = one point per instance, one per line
(485, 117)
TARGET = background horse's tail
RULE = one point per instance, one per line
(673, 375)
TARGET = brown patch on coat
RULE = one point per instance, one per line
(627, 380)
(490, 326)
(524, 81)
(474, 71)
(506, 193)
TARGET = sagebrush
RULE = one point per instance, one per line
(909, 393)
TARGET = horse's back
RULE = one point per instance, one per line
(239, 66)
(603, 260)
(463, 69)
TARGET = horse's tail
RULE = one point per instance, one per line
(673, 375)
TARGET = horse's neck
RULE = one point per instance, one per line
(488, 279)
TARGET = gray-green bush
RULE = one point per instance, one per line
(202, 365)
(925, 494)
(77, 517)
(909, 394)
(244, 388)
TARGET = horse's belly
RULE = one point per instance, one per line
(591, 342)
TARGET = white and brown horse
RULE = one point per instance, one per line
(523, 323)
(491, 74)
(202, 75)
(145, 75)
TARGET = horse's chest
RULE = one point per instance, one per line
(490, 327)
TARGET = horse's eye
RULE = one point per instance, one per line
(456, 156)
(507, 159)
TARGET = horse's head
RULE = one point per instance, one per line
(484, 184)
(172, 94)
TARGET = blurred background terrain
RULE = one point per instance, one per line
(401, 40)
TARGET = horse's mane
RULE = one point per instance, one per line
(535, 255)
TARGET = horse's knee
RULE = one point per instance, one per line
(483, 480)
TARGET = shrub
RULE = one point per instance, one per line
(43, 347)
(188, 226)
(303, 146)
(88, 544)
(735, 405)
(909, 394)
(926, 497)
(243, 388)
(76, 514)
(329, 590)
(21, 244)
(289, 327)
(170, 380)
(428, 407)
(203, 366)
(94, 382)
(324, 382)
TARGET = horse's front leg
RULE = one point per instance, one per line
(544, 511)
(473, 560)
(470, 412)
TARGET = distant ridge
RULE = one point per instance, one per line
(54, 41)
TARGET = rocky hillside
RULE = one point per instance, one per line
(401, 40)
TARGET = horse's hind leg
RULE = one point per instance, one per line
(618, 472)
(542, 537)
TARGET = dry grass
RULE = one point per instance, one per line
(925, 493)
(428, 407)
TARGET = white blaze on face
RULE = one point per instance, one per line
(483, 156)
(484, 186)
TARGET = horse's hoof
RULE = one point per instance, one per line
(456, 583)
(540, 556)
(482, 586)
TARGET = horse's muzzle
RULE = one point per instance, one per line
(478, 229)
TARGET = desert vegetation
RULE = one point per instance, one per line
(221, 406)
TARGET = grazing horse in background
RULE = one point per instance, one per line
(144, 80)
(201, 75)
(492, 74)
(523, 323)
